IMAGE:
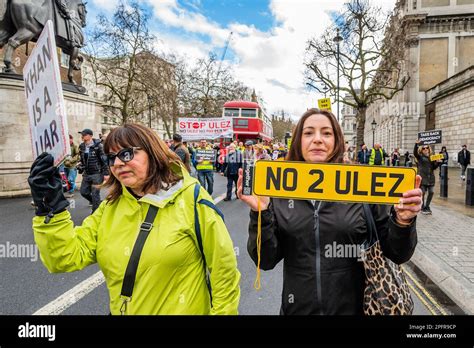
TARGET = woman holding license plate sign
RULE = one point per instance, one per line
(302, 232)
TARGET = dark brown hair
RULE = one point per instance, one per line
(296, 154)
(160, 157)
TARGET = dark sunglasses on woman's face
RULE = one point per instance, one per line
(125, 155)
(425, 148)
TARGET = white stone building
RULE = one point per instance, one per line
(349, 121)
(439, 36)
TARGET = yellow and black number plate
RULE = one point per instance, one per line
(332, 182)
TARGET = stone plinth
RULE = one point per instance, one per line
(16, 156)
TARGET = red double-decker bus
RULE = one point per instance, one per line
(249, 121)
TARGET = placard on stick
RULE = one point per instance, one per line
(45, 100)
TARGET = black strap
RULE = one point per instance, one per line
(131, 271)
(371, 227)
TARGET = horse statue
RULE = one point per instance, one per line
(22, 21)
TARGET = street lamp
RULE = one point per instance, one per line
(149, 110)
(374, 125)
(337, 40)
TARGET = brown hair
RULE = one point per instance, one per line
(296, 154)
(160, 157)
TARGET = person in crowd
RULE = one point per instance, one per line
(261, 153)
(299, 231)
(159, 268)
(445, 160)
(232, 164)
(70, 164)
(377, 156)
(464, 159)
(249, 153)
(93, 167)
(395, 157)
(363, 155)
(241, 147)
(426, 169)
(182, 151)
(276, 152)
(407, 159)
(205, 168)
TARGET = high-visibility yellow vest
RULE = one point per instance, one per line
(372, 156)
(205, 165)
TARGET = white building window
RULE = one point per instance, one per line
(64, 60)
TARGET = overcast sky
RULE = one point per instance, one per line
(267, 46)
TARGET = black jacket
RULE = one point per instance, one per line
(96, 162)
(232, 163)
(314, 282)
(363, 156)
(425, 168)
(464, 160)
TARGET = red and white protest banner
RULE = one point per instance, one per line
(205, 128)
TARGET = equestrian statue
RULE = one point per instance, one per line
(22, 21)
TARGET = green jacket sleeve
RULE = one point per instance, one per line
(63, 247)
(221, 260)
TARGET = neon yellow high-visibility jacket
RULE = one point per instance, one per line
(170, 276)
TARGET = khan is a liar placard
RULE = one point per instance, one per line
(332, 182)
(45, 101)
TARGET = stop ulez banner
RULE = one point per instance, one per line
(205, 128)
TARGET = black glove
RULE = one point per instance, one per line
(46, 187)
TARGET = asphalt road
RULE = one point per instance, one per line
(26, 286)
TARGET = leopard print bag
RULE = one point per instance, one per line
(386, 289)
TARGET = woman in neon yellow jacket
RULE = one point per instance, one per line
(171, 275)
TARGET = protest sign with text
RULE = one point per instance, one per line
(44, 97)
(205, 128)
(332, 182)
(430, 137)
(206, 155)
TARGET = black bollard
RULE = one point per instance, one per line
(444, 181)
(470, 187)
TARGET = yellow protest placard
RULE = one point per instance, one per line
(438, 157)
(324, 103)
(332, 182)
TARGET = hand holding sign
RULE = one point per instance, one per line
(251, 201)
(46, 186)
(410, 204)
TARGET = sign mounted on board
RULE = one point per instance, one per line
(430, 137)
(206, 155)
(45, 100)
(330, 182)
(324, 104)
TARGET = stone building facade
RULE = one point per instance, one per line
(450, 107)
(439, 43)
(349, 122)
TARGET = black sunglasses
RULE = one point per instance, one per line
(125, 155)
(425, 148)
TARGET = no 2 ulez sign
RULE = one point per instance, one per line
(332, 182)
(44, 97)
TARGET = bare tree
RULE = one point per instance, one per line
(209, 86)
(281, 123)
(117, 56)
(371, 64)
